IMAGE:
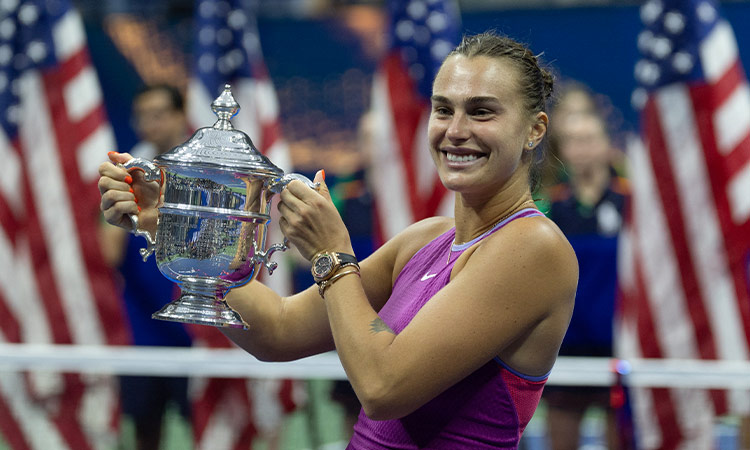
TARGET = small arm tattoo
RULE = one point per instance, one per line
(377, 325)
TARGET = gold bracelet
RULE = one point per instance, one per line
(323, 285)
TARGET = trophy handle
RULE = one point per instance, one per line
(278, 184)
(151, 172)
(264, 257)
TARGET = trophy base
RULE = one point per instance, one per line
(201, 310)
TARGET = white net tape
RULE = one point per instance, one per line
(235, 363)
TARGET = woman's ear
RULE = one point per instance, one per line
(538, 130)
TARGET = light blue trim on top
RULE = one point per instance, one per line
(465, 245)
(519, 374)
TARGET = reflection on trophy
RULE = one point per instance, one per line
(212, 223)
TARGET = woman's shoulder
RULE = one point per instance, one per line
(423, 232)
(381, 269)
(534, 233)
(434, 225)
(409, 241)
(535, 240)
(523, 246)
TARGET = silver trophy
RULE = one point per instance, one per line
(213, 217)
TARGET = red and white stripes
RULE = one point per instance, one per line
(54, 286)
(684, 254)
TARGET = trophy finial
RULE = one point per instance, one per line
(225, 107)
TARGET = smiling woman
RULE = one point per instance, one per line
(478, 127)
(450, 329)
(472, 84)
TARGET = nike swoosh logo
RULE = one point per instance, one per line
(427, 276)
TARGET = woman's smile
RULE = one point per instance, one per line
(462, 159)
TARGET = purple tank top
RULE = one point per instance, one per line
(488, 409)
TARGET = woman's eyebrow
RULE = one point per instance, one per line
(471, 101)
(439, 99)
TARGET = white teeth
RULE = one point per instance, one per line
(460, 158)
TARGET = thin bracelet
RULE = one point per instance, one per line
(327, 283)
(349, 264)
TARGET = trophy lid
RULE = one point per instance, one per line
(221, 146)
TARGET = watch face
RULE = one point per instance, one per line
(322, 266)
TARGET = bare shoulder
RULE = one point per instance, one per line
(380, 270)
(412, 239)
(539, 243)
(422, 232)
(392, 256)
(533, 252)
(537, 235)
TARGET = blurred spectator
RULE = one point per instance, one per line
(159, 120)
(587, 205)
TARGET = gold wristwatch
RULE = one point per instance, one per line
(326, 264)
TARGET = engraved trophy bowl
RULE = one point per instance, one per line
(213, 217)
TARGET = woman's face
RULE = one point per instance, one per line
(479, 128)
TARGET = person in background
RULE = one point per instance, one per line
(159, 120)
(587, 206)
(449, 330)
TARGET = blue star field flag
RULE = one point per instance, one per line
(228, 51)
(685, 248)
(421, 33)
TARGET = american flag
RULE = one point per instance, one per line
(54, 286)
(685, 251)
(405, 183)
(228, 413)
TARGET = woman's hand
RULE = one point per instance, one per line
(310, 220)
(125, 193)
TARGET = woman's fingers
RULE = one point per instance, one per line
(310, 220)
(117, 195)
(302, 206)
(117, 182)
(119, 158)
(291, 200)
(116, 205)
(320, 179)
(107, 170)
(303, 191)
(112, 196)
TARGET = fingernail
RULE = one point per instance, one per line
(128, 179)
(111, 153)
(139, 209)
(135, 199)
(323, 173)
(131, 191)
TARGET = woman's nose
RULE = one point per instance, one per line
(458, 128)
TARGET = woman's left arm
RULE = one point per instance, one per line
(514, 291)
